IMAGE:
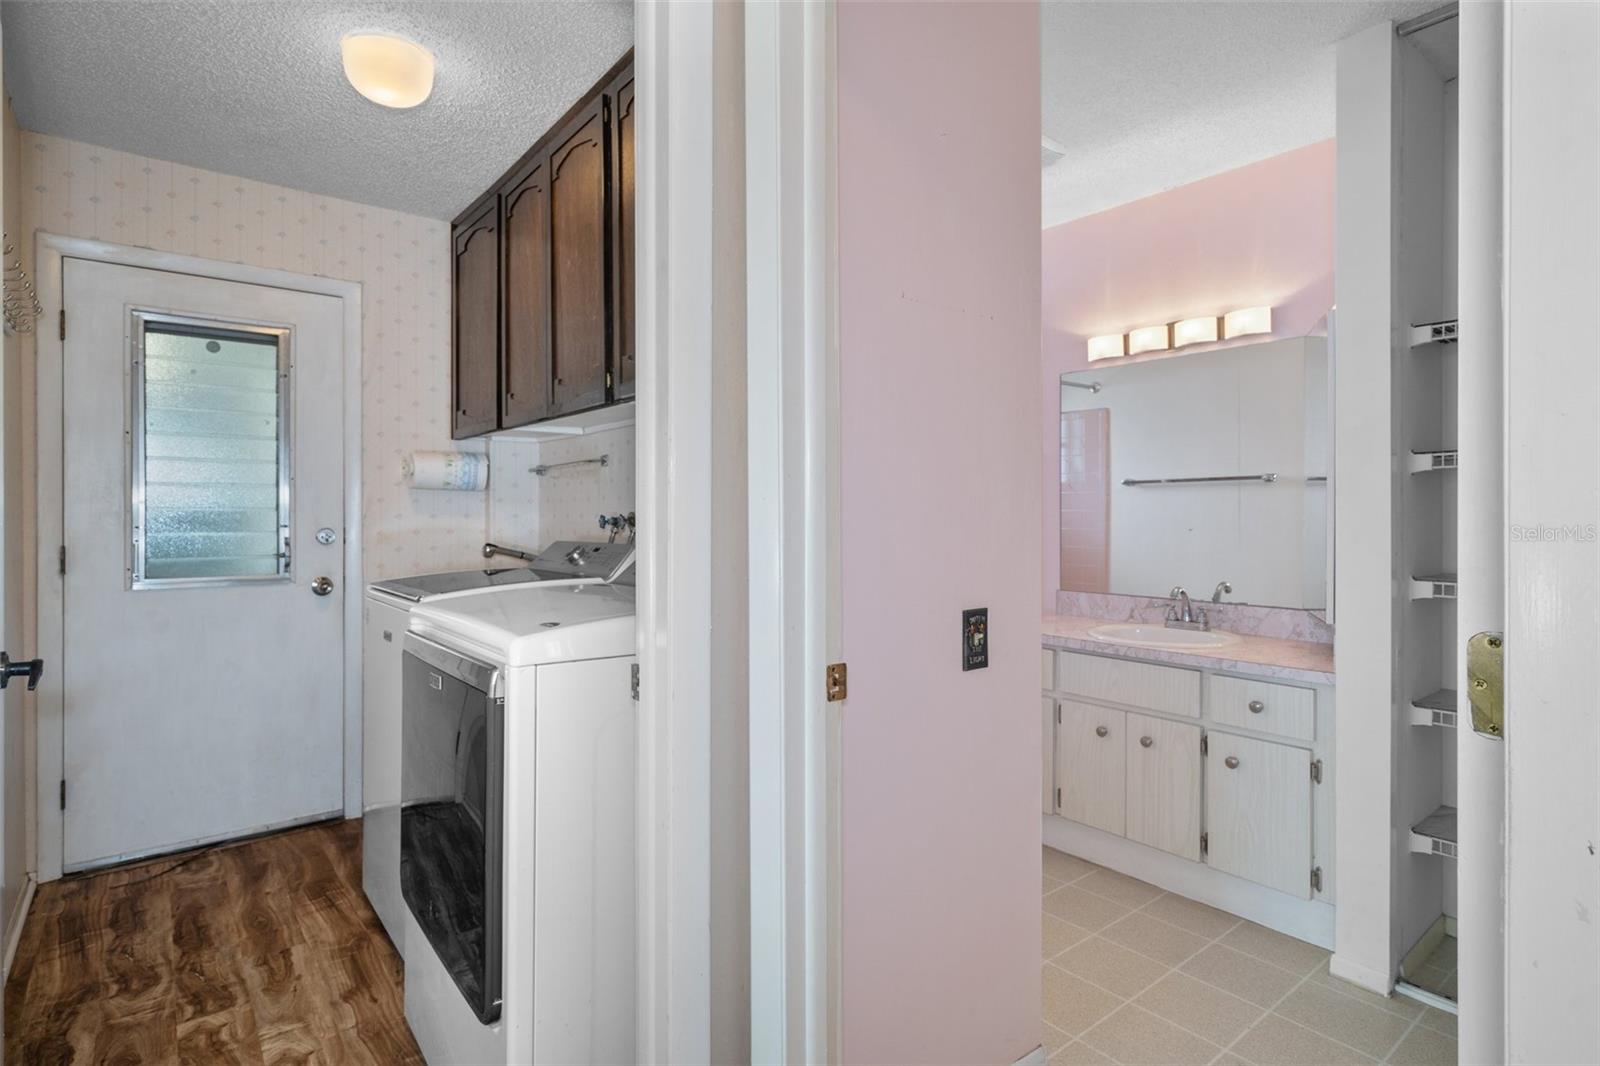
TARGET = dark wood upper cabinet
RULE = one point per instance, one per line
(578, 252)
(475, 318)
(542, 275)
(623, 339)
(525, 366)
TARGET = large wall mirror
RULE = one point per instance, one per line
(1197, 469)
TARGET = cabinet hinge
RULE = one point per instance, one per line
(1316, 770)
(61, 559)
(1205, 744)
(1205, 844)
(1058, 714)
(62, 327)
(635, 681)
(63, 793)
(1058, 799)
(1316, 879)
(838, 682)
(608, 379)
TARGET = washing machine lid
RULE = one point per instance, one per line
(420, 587)
(533, 624)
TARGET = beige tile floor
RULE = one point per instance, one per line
(1142, 977)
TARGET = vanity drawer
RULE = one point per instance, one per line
(1171, 689)
(1265, 706)
(1047, 678)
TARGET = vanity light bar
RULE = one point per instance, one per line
(1206, 329)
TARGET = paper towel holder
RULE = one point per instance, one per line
(544, 468)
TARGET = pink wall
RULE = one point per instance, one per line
(939, 338)
(1258, 235)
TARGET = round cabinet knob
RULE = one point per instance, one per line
(322, 586)
(1101, 731)
(1256, 706)
(1231, 762)
(1145, 742)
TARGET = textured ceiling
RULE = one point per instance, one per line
(256, 89)
(1149, 96)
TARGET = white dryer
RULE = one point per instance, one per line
(517, 825)
(385, 620)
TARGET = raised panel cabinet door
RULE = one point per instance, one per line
(1258, 811)
(1047, 749)
(525, 367)
(578, 251)
(1164, 784)
(622, 183)
(475, 321)
(1091, 765)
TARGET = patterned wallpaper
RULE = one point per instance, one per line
(402, 262)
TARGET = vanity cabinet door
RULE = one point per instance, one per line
(1258, 812)
(1164, 784)
(1091, 765)
(1047, 749)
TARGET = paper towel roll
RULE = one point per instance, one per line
(456, 471)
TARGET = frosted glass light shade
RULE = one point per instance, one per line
(1149, 339)
(1107, 347)
(1194, 331)
(1245, 321)
(388, 70)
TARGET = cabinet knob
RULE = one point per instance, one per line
(1256, 706)
(1145, 742)
(1231, 762)
(1101, 731)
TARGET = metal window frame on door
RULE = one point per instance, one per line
(139, 321)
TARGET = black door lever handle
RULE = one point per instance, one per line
(32, 669)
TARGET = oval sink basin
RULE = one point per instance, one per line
(1145, 635)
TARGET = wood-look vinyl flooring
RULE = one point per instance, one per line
(259, 952)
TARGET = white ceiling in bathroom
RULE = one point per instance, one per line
(1149, 96)
(257, 89)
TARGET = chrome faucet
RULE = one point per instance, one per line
(1222, 587)
(1182, 615)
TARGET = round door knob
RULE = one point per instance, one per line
(1145, 742)
(1101, 731)
(1256, 706)
(322, 586)
(1231, 762)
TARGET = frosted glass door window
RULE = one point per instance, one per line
(210, 485)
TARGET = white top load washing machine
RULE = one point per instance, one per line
(517, 826)
(387, 609)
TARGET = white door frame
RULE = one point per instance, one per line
(50, 250)
(792, 351)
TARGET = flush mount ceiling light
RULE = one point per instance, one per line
(1245, 321)
(1107, 347)
(388, 70)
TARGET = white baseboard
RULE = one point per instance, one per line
(1037, 1057)
(1364, 976)
(14, 923)
(1304, 919)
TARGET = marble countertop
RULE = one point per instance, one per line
(1270, 658)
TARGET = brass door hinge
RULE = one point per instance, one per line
(1486, 683)
(838, 682)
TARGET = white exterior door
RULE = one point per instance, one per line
(204, 665)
